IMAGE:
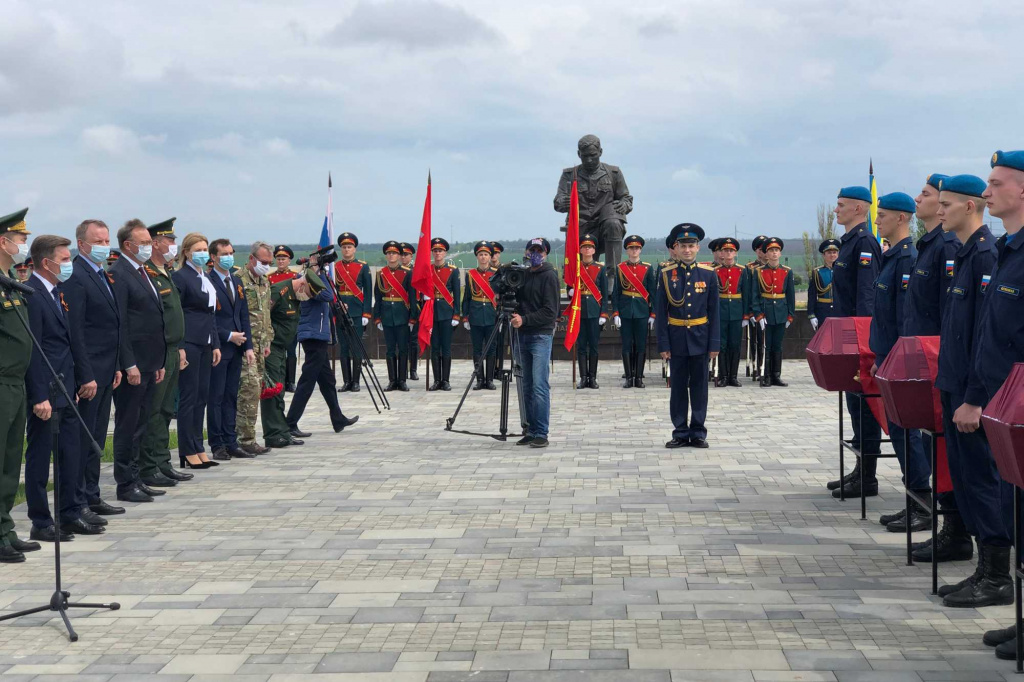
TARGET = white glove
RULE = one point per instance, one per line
(380, 326)
(814, 323)
(366, 321)
(764, 323)
(466, 325)
(455, 323)
(744, 323)
(788, 323)
(412, 325)
(426, 297)
(618, 322)
(569, 291)
(650, 323)
(602, 321)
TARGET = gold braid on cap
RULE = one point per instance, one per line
(17, 227)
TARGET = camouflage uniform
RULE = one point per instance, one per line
(257, 296)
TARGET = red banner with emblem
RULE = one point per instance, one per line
(423, 277)
(572, 267)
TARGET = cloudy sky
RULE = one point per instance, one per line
(229, 113)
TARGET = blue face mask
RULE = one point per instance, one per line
(66, 270)
(98, 254)
(201, 258)
(226, 262)
(536, 257)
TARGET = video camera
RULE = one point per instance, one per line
(507, 282)
(322, 256)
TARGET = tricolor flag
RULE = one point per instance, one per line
(327, 232)
(949, 268)
(865, 258)
(873, 213)
(572, 267)
(906, 280)
(422, 277)
(985, 279)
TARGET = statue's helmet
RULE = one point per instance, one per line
(588, 141)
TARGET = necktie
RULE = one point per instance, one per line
(56, 299)
(227, 285)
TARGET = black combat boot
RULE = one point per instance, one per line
(886, 519)
(289, 374)
(920, 518)
(627, 365)
(997, 637)
(346, 376)
(581, 362)
(852, 487)
(446, 373)
(766, 376)
(356, 368)
(995, 586)
(777, 370)
(435, 367)
(413, 362)
(592, 372)
(979, 571)
(492, 365)
(480, 373)
(734, 369)
(954, 543)
(638, 369)
(392, 374)
(402, 366)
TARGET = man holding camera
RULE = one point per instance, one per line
(535, 318)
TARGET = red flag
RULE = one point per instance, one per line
(572, 267)
(422, 278)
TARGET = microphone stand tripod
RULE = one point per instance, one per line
(59, 599)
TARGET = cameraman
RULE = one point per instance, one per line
(315, 325)
(535, 318)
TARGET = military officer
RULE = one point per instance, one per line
(447, 312)
(730, 309)
(15, 354)
(394, 312)
(355, 291)
(496, 250)
(284, 317)
(283, 256)
(155, 469)
(479, 315)
(820, 304)
(408, 252)
(686, 317)
(632, 299)
(774, 306)
(748, 286)
(256, 288)
(853, 295)
(595, 305)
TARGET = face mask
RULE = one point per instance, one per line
(261, 269)
(172, 251)
(66, 270)
(200, 258)
(22, 254)
(98, 254)
(145, 252)
(536, 258)
(226, 262)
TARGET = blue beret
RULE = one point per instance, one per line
(856, 192)
(1014, 160)
(897, 201)
(684, 232)
(934, 179)
(971, 185)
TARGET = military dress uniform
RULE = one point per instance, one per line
(686, 317)
(479, 314)
(408, 252)
(594, 307)
(633, 291)
(748, 287)
(774, 307)
(256, 289)
(155, 454)
(820, 301)
(497, 248)
(15, 354)
(284, 317)
(930, 278)
(394, 309)
(730, 313)
(355, 290)
(447, 312)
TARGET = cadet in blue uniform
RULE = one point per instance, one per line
(394, 312)
(633, 300)
(594, 304)
(976, 481)
(355, 289)
(447, 312)
(755, 335)
(479, 315)
(686, 317)
(895, 211)
(774, 305)
(1001, 338)
(408, 251)
(853, 294)
(730, 311)
(820, 303)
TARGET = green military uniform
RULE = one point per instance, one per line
(394, 308)
(284, 317)
(257, 296)
(15, 353)
(774, 305)
(595, 304)
(355, 290)
(480, 316)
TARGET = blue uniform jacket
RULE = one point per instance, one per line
(687, 293)
(52, 328)
(1001, 337)
(854, 273)
(232, 313)
(890, 298)
(961, 320)
(820, 301)
(929, 283)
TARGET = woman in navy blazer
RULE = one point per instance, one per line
(202, 348)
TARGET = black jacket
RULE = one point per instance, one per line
(94, 317)
(538, 300)
(142, 317)
(200, 325)
(52, 327)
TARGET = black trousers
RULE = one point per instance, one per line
(96, 414)
(131, 414)
(37, 466)
(634, 334)
(590, 335)
(441, 339)
(688, 400)
(222, 409)
(397, 338)
(316, 371)
(193, 394)
(478, 335)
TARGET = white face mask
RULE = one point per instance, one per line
(145, 253)
(172, 251)
(21, 256)
(261, 269)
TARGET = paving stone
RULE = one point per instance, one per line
(357, 663)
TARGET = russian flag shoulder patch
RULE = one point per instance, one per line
(949, 268)
(985, 279)
(865, 258)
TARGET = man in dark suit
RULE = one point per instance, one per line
(96, 325)
(51, 324)
(236, 346)
(142, 357)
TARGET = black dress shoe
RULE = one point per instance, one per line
(177, 475)
(134, 495)
(80, 527)
(152, 492)
(104, 509)
(345, 421)
(678, 443)
(852, 489)
(278, 442)
(698, 443)
(49, 534)
(221, 454)
(158, 481)
(9, 555)
(92, 518)
(296, 441)
(239, 453)
(296, 433)
(525, 440)
(23, 546)
(997, 637)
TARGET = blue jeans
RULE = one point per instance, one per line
(534, 351)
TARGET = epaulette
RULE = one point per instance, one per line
(668, 265)
(784, 267)
(645, 263)
(706, 266)
(361, 262)
(451, 264)
(405, 267)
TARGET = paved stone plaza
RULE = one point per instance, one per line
(399, 552)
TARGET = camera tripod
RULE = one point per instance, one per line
(355, 342)
(499, 335)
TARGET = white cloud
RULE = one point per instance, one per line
(228, 144)
(410, 24)
(689, 175)
(278, 147)
(111, 139)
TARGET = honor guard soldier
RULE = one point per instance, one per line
(496, 250)
(256, 289)
(755, 335)
(283, 256)
(479, 315)
(111, 259)
(447, 312)
(686, 317)
(355, 290)
(394, 312)
(284, 317)
(633, 300)
(820, 304)
(730, 312)
(976, 481)
(23, 270)
(408, 251)
(774, 307)
(715, 245)
(853, 295)
(594, 311)
(15, 355)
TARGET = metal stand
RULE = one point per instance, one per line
(857, 451)
(931, 504)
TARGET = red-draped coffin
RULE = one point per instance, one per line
(1003, 420)
(840, 360)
